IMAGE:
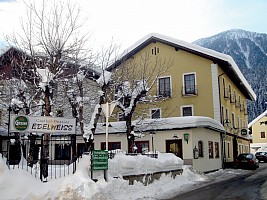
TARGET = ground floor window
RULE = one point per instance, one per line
(200, 149)
(62, 151)
(141, 146)
(228, 150)
(111, 145)
(211, 149)
(217, 153)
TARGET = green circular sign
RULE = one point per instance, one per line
(21, 123)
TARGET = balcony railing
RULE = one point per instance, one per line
(226, 93)
(189, 91)
(242, 108)
(237, 104)
(232, 98)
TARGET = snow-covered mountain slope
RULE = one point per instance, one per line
(249, 50)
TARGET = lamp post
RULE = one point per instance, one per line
(107, 108)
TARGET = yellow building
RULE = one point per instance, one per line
(198, 82)
(258, 131)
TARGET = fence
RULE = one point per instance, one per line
(45, 156)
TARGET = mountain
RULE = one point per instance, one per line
(249, 50)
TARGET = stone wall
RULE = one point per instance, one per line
(146, 179)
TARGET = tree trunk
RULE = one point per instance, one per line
(89, 143)
(46, 136)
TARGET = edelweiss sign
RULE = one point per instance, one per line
(23, 123)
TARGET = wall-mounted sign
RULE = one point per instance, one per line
(244, 131)
(42, 124)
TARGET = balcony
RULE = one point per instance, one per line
(237, 104)
(245, 112)
(189, 91)
(232, 98)
(226, 93)
(242, 108)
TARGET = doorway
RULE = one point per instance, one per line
(175, 147)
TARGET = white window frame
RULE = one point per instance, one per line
(188, 73)
(170, 84)
(233, 121)
(184, 106)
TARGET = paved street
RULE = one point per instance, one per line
(249, 186)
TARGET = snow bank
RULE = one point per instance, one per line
(123, 165)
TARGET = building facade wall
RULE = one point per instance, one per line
(259, 131)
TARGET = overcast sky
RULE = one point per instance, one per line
(127, 21)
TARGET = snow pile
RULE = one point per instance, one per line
(131, 165)
(19, 184)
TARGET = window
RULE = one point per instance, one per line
(225, 90)
(228, 150)
(142, 146)
(164, 87)
(210, 149)
(187, 111)
(222, 115)
(262, 134)
(226, 114)
(189, 84)
(62, 151)
(200, 149)
(233, 120)
(111, 145)
(155, 113)
(217, 153)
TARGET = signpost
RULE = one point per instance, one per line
(100, 160)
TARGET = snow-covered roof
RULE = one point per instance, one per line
(204, 52)
(164, 124)
(257, 118)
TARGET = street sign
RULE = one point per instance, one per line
(100, 160)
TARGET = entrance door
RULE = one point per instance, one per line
(235, 150)
(175, 147)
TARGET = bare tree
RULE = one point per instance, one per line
(105, 58)
(134, 81)
(51, 37)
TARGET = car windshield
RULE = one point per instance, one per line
(245, 156)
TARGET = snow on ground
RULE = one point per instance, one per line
(19, 184)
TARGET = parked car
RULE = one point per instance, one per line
(261, 156)
(247, 161)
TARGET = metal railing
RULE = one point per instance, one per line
(26, 153)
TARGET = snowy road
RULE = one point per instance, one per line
(251, 185)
